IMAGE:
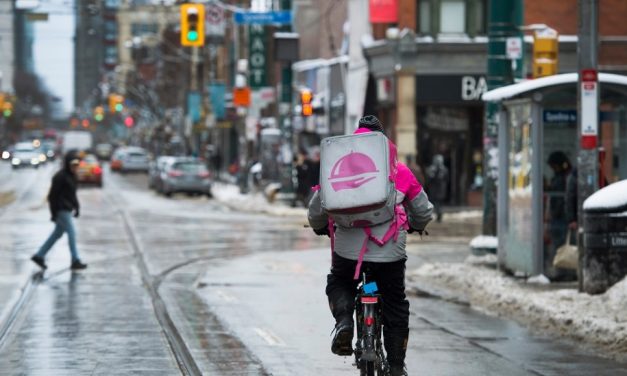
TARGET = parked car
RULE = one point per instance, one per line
(134, 159)
(89, 171)
(185, 175)
(156, 168)
(25, 155)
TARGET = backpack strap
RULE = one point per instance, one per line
(399, 222)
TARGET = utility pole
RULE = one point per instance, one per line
(587, 106)
(505, 20)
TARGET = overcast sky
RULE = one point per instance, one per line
(54, 50)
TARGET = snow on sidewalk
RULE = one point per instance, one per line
(230, 195)
(598, 320)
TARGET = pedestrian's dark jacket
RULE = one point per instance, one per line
(557, 201)
(572, 205)
(62, 195)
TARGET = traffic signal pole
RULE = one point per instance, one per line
(588, 108)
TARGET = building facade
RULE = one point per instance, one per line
(451, 47)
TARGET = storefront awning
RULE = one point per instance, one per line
(511, 91)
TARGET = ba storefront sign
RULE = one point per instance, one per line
(257, 56)
(450, 88)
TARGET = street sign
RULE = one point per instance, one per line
(257, 57)
(266, 18)
(215, 26)
(241, 96)
(589, 108)
(513, 48)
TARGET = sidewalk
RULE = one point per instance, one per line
(557, 309)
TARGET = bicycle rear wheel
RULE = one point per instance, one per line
(367, 368)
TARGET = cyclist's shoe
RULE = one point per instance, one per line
(398, 370)
(342, 344)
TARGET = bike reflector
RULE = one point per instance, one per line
(371, 288)
(369, 299)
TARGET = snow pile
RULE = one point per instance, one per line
(614, 196)
(462, 215)
(230, 195)
(483, 241)
(599, 320)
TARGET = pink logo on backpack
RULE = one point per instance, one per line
(352, 171)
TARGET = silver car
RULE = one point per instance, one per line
(134, 159)
(185, 175)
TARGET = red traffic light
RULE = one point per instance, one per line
(129, 121)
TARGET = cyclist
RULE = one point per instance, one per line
(384, 264)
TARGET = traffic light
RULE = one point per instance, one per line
(7, 109)
(306, 97)
(545, 53)
(192, 25)
(129, 121)
(116, 103)
(99, 114)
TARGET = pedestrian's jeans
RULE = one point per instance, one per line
(63, 223)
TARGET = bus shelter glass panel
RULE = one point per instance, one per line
(519, 245)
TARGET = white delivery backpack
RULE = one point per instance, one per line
(357, 174)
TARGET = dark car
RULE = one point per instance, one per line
(185, 175)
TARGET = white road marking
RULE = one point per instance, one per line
(271, 338)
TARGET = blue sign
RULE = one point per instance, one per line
(217, 92)
(570, 116)
(282, 17)
(194, 104)
(560, 116)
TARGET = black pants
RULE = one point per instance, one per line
(390, 278)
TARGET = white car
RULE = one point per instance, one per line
(25, 155)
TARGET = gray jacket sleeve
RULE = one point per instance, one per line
(315, 214)
(419, 211)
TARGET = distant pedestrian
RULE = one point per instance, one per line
(303, 171)
(437, 184)
(63, 203)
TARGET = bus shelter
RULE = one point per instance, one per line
(538, 121)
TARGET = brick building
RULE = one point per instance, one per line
(450, 74)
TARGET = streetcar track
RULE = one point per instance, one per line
(184, 358)
(19, 308)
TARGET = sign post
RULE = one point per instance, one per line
(588, 100)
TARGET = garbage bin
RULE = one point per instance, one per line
(604, 259)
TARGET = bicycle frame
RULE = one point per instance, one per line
(369, 357)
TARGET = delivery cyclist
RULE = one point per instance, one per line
(384, 264)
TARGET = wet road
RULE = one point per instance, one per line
(188, 286)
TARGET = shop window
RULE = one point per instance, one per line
(452, 17)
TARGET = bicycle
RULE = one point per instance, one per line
(369, 356)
